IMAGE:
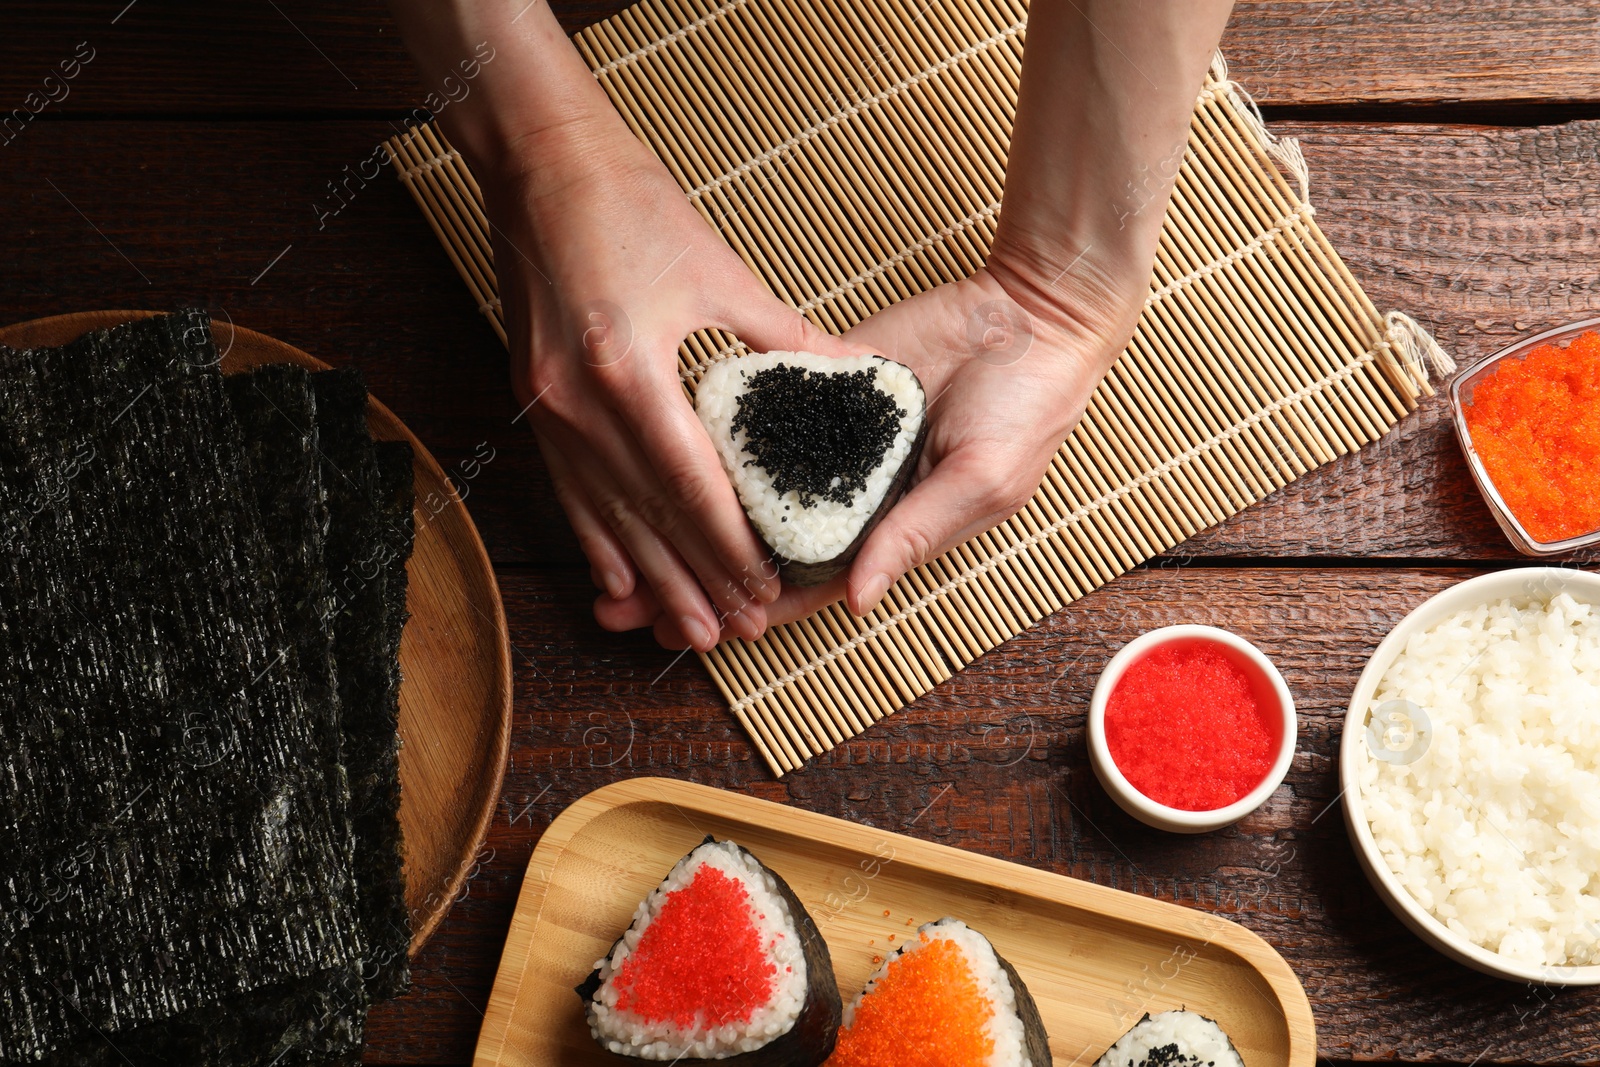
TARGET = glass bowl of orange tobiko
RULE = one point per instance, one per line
(1528, 419)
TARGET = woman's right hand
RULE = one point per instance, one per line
(603, 268)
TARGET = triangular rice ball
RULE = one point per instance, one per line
(721, 962)
(945, 998)
(818, 449)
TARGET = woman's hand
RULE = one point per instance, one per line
(1008, 375)
(1008, 359)
(604, 267)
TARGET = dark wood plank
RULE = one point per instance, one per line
(298, 58)
(287, 58)
(1334, 52)
(995, 761)
(1484, 234)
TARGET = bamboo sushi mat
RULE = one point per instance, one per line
(852, 151)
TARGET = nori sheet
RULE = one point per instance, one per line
(369, 540)
(314, 1021)
(397, 531)
(319, 1019)
(277, 415)
(152, 728)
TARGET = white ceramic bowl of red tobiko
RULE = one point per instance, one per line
(1191, 728)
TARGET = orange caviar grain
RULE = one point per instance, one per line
(1535, 423)
(926, 1011)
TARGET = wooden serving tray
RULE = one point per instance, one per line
(455, 656)
(1094, 958)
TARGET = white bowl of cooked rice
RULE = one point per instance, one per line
(1470, 769)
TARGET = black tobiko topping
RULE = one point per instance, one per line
(1170, 1055)
(820, 435)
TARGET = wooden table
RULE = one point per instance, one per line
(204, 155)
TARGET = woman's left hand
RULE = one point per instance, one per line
(1008, 366)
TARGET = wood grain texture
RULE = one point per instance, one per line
(1331, 52)
(168, 217)
(289, 57)
(1079, 948)
(455, 696)
(995, 761)
(294, 57)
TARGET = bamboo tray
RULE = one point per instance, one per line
(455, 700)
(1094, 958)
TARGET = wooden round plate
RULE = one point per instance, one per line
(455, 654)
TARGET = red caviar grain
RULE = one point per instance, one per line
(1185, 728)
(701, 956)
(1535, 424)
(927, 1009)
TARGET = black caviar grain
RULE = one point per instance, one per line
(820, 435)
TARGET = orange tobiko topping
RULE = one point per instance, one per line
(700, 961)
(926, 1011)
(1535, 423)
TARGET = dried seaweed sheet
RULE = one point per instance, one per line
(322, 1018)
(152, 730)
(319, 1019)
(396, 500)
(314, 1021)
(277, 416)
(367, 545)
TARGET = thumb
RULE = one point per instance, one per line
(960, 498)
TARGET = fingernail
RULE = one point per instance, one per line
(748, 622)
(872, 591)
(694, 631)
(614, 585)
(760, 586)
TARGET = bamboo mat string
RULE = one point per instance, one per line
(852, 153)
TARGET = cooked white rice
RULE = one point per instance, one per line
(1495, 829)
(1177, 1039)
(626, 1033)
(827, 528)
(1005, 1025)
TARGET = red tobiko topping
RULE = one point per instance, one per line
(1186, 729)
(700, 960)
